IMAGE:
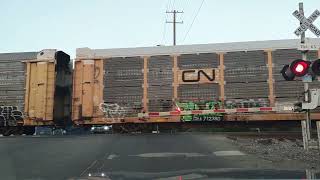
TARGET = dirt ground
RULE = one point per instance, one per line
(280, 150)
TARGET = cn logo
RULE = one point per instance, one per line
(195, 75)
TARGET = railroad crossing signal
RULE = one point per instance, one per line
(301, 68)
(306, 23)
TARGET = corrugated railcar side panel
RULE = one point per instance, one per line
(123, 85)
(160, 83)
(246, 77)
(197, 92)
(12, 78)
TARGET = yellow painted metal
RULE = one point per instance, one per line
(98, 87)
(39, 93)
(50, 91)
(145, 84)
(33, 90)
(221, 75)
(87, 89)
(27, 88)
(77, 90)
(270, 79)
(87, 85)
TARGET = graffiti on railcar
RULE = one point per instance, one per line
(208, 105)
(113, 110)
(246, 103)
(10, 115)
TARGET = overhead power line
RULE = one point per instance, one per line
(174, 4)
(163, 41)
(194, 18)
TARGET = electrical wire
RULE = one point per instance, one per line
(194, 18)
(163, 41)
(173, 4)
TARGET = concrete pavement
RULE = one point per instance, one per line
(129, 156)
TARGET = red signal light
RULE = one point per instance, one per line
(178, 109)
(299, 67)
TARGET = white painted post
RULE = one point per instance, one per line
(304, 135)
(318, 132)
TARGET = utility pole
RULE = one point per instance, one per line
(174, 22)
(306, 87)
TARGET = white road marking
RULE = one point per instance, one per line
(37, 136)
(169, 154)
(111, 156)
(91, 165)
(173, 154)
(228, 153)
(186, 176)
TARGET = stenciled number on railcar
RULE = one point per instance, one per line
(207, 118)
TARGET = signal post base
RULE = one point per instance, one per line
(305, 135)
(306, 139)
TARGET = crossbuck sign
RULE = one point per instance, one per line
(306, 23)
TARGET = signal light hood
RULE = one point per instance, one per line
(315, 67)
(287, 73)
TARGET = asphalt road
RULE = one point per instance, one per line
(152, 156)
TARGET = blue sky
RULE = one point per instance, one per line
(32, 25)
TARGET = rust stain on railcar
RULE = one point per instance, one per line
(36, 122)
(176, 119)
(87, 85)
(103, 120)
(270, 117)
(98, 87)
(77, 90)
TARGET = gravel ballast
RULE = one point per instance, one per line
(279, 150)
